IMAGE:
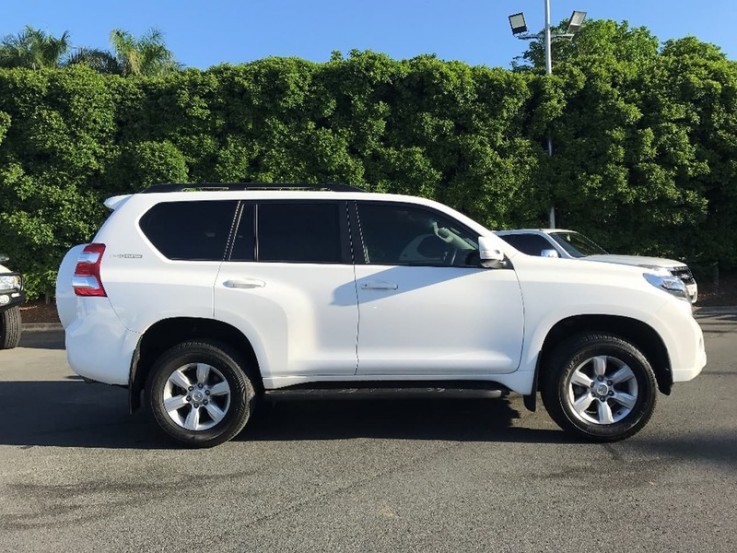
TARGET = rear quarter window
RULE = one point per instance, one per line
(192, 231)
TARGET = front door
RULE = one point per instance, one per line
(426, 306)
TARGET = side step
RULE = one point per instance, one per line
(390, 390)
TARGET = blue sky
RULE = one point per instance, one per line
(206, 33)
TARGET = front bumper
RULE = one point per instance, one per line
(683, 339)
(10, 297)
(692, 290)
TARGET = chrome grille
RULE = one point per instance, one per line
(684, 273)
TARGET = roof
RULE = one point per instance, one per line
(238, 186)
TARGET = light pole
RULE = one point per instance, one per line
(519, 29)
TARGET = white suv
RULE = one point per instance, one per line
(206, 296)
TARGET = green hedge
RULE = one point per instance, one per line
(644, 161)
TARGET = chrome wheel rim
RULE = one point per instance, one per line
(602, 390)
(196, 396)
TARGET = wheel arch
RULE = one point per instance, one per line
(166, 333)
(639, 334)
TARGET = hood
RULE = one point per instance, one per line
(635, 260)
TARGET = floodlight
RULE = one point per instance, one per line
(575, 22)
(517, 22)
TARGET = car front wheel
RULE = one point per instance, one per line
(599, 386)
(200, 394)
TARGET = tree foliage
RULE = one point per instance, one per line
(645, 140)
(33, 49)
(642, 141)
(130, 56)
(147, 55)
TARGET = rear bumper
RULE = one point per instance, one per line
(98, 346)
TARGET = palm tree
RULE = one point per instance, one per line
(33, 49)
(147, 55)
(102, 61)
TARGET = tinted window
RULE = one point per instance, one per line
(194, 231)
(531, 244)
(299, 232)
(577, 244)
(395, 234)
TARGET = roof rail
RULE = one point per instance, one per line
(214, 186)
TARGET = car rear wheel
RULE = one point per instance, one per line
(200, 393)
(10, 328)
(599, 386)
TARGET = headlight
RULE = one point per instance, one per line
(665, 281)
(11, 282)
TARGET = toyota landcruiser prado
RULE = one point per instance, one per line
(200, 298)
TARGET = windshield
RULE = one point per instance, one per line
(577, 245)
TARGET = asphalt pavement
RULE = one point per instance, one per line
(435, 472)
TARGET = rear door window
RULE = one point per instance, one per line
(302, 232)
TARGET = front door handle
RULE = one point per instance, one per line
(246, 283)
(379, 285)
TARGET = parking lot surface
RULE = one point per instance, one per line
(434, 472)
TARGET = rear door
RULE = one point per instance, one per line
(289, 285)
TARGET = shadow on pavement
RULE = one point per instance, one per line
(412, 417)
(71, 413)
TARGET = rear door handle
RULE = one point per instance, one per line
(244, 283)
(379, 285)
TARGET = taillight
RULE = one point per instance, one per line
(86, 280)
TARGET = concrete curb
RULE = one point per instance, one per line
(717, 310)
(41, 327)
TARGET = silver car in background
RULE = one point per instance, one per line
(569, 244)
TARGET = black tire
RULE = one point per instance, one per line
(10, 328)
(227, 369)
(609, 409)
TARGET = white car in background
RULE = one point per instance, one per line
(11, 298)
(569, 244)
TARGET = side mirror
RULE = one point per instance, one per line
(549, 253)
(491, 256)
